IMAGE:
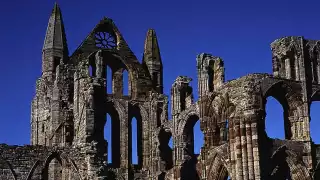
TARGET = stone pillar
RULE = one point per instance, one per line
(255, 149)
(117, 83)
(244, 148)
(243, 142)
(237, 149)
(100, 67)
(287, 68)
(232, 148)
(124, 137)
(249, 151)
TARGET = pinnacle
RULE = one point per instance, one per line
(55, 35)
(151, 43)
(56, 9)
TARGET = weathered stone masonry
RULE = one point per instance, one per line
(71, 103)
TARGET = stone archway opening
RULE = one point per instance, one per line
(53, 167)
(274, 125)
(135, 132)
(109, 80)
(216, 169)
(192, 137)
(104, 64)
(111, 134)
(134, 141)
(276, 110)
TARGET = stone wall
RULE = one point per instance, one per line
(71, 103)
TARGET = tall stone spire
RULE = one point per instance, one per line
(55, 43)
(152, 60)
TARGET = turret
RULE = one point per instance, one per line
(152, 60)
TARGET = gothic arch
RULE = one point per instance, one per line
(285, 157)
(218, 168)
(65, 162)
(101, 59)
(33, 169)
(281, 91)
(187, 115)
(135, 111)
(120, 109)
(297, 166)
(71, 165)
(142, 111)
(10, 168)
(50, 157)
(117, 113)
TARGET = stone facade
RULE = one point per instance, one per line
(71, 104)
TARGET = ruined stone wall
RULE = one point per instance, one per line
(71, 103)
(33, 162)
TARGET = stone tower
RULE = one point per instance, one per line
(52, 91)
(71, 104)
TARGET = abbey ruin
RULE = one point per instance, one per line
(71, 103)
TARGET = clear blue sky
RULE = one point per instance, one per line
(238, 31)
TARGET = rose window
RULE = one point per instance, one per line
(105, 40)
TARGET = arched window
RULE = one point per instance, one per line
(134, 141)
(111, 133)
(109, 79)
(277, 112)
(274, 120)
(192, 136)
(107, 137)
(135, 132)
(54, 170)
(125, 82)
(210, 75)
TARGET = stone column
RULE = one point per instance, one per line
(255, 149)
(232, 148)
(117, 83)
(238, 150)
(124, 138)
(249, 151)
